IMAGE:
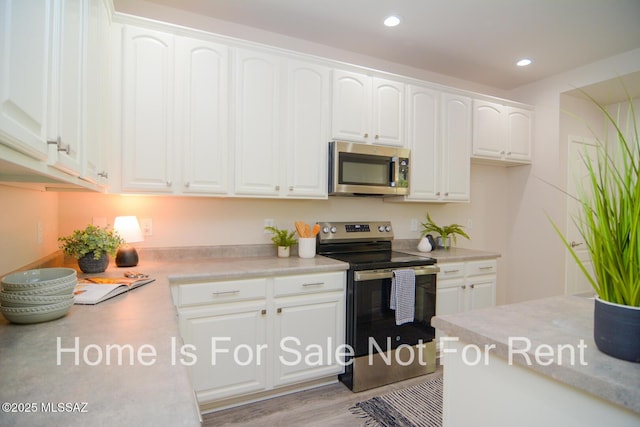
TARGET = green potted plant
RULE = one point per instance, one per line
(283, 240)
(92, 247)
(609, 222)
(446, 232)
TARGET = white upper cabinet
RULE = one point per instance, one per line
(66, 120)
(26, 29)
(423, 112)
(307, 129)
(147, 110)
(456, 146)
(367, 109)
(501, 132)
(201, 124)
(257, 123)
(98, 107)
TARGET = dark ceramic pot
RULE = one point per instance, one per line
(616, 329)
(88, 264)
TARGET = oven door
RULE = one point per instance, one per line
(374, 326)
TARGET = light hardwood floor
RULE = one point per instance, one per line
(323, 406)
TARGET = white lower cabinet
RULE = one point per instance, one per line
(465, 286)
(257, 337)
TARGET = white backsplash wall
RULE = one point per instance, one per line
(203, 221)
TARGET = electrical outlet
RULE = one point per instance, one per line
(147, 226)
(469, 224)
(268, 222)
(414, 224)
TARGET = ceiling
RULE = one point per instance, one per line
(474, 40)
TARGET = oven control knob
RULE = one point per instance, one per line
(325, 230)
(381, 228)
(334, 229)
(387, 228)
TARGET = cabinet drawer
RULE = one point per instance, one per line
(309, 283)
(477, 268)
(451, 270)
(222, 292)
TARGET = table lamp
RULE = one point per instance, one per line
(129, 229)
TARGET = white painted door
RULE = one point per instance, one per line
(230, 346)
(201, 125)
(66, 118)
(575, 280)
(489, 136)
(481, 292)
(388, 113)
(422, 135)
(351, 113)
(456, 147)
(307, 129)
(147, 110)
(26, 29)
(519, 134)
(257, 123)
(307, 332)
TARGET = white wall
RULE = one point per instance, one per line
(21, 212)
(537, 256)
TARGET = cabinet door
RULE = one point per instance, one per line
(201, 128)
(422, 136)
(147, 111)
(229, 343)
(449, 299)
(519, 134)
(481, 292)
(456, 147)
(489, 136)
(66, 117)
(308, 331)
(351, 113)
(96, 100)
(388, 113)
(307, 129)
(26, 30)
(257, 123)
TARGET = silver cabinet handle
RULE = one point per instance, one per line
(169, 183)
(450, 271)
(387, 273)
(187, 184)
(574, 244)
(313, 284)
(103, 174)
(486, 268)
(263, 312)
(219, 293)
(473, 286)
(366, 135)
(464, 286)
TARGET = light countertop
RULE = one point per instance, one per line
(154, 389)
(550, 323)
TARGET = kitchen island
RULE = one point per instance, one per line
(534, 363)
(119, 362)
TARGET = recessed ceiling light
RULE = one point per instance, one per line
(524, 62)
(391, 21)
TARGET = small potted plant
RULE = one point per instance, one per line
(283, 239)
(446, 232)
(92, 247)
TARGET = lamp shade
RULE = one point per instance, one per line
(128, 228)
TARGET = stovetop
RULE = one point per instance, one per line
(380, 260)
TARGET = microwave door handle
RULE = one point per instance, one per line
(393, 171)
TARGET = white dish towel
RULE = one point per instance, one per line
(403, 295)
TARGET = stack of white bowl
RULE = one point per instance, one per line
(39, 295)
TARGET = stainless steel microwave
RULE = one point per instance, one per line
(362, 169)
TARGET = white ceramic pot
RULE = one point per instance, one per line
(284, 251)
(424, 245)
(307, 247)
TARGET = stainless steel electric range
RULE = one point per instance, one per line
(383, 351)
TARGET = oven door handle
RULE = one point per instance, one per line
(361, 276)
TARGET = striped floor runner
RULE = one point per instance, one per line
(417, 406)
